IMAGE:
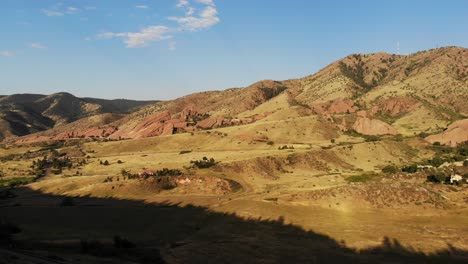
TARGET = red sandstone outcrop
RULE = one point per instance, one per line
(455, 134)
(395, 106)
(335, 107)
(369, 126)
(153, 125)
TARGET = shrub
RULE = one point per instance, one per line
(390, 169)
(168, 172)
(465, 163)
(184, 152)
(203, 163)
(410, 168)
(372, 138)
(106, 163)
(438, 177)
(119, 162)
(436, 161)
(270, 143)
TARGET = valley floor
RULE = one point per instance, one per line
(259, 204)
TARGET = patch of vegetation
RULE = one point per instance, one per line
(185, 152)
(56, 165)
(410, 168)
(105, 163)
(269, 93)
(367, 138)
(413, 65)
(168, 172)
(439, 177)
(390, 169)
(203, 163)
(360, 178)
(294, 102)
(387, 118)
(15, 182)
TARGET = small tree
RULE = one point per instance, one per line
(410, 169)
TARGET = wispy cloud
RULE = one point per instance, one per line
(60, 10)
(202, 15)
(51, 13)
(37, 46)
(141, 6)
(141, 38)
(6, 53)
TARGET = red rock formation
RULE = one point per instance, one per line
(335, 107)
(369, 126)
(342, 107)
(395, 106)
(207, 123)
(152, 125)
(455, 134)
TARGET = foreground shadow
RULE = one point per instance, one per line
(133, 231)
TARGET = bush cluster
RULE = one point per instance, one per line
(203, 163)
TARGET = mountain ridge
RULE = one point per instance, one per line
(397, 90)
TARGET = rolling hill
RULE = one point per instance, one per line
(372, 94)
(23, 114)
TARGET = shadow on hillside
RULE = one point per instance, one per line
(152, 233)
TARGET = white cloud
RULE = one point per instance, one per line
(6, 53)
(182, 3)
(206, 2)
(37, 46)
(90, 8)
(141, 6)
(140, 38)
(207, 18)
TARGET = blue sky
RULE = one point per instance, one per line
(163, 49)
